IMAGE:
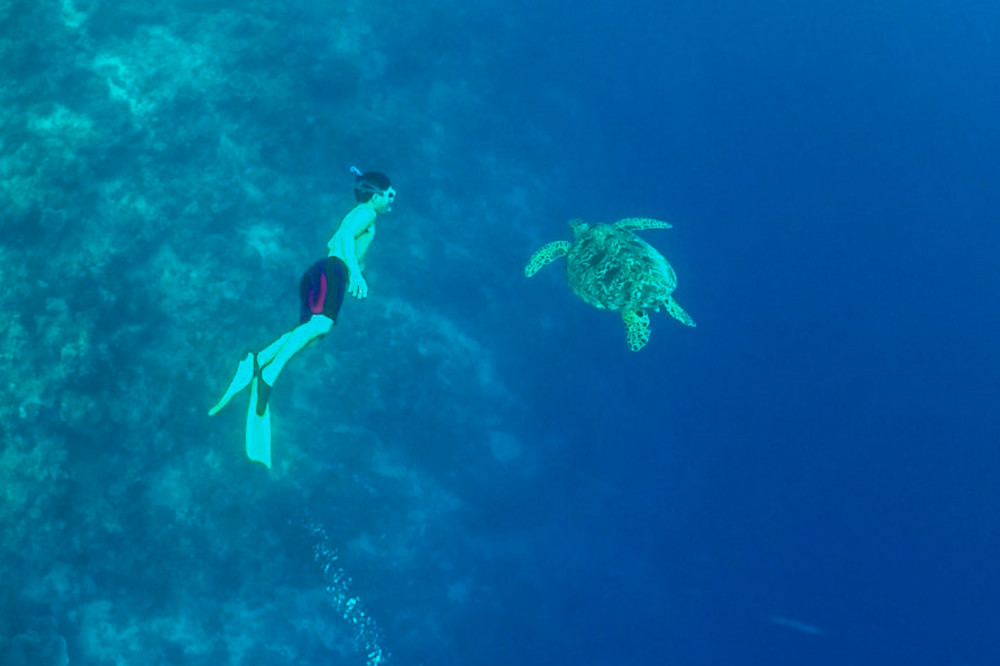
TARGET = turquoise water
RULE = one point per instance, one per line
(473, 468)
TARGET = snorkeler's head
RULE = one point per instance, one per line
(368, 184)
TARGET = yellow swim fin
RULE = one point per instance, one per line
(258, 430)
(244, 373)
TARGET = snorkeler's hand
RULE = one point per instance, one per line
(358, 287)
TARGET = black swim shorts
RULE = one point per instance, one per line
(322, 289)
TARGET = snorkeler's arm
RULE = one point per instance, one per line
(344, 245)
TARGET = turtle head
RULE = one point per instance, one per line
(578, 226)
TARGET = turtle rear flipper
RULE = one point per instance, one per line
(640, 223)
(636, 328)
(544, 255)
(678, 313)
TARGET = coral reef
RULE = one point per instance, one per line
(168, 170)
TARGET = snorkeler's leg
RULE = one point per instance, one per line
(297, 339)
(291, 344)
(267, 354)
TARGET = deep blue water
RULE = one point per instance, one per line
(807, 477)
(822, 446)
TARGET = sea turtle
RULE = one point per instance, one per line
(611, 268)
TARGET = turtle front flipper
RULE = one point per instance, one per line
(544, 255)
(640, 223)
(636, 328)
(678, 313)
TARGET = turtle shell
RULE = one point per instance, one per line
(613, 269)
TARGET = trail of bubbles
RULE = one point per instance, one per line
(367, 635)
